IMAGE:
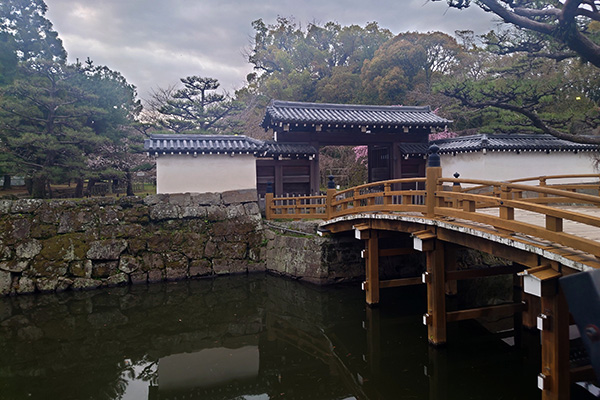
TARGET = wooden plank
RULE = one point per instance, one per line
(400, 282)
(490, 311)
(483, 272)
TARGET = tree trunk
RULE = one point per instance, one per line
(38, 187)
(7, 183)
(129, 179)
(90, 186)
(79, 188)
(29, 185)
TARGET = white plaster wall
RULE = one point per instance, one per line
(205, 173)
(499, 166)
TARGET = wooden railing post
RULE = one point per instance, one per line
(329, 209)
(269, 201)
(456, 188)
(542, 184)
(387, 197)
(507, 213)
(433, 174)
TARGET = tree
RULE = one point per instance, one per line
(572, 24)
(530, 95)
(195, 107)
(558, 30)
(32, 32)
(54, 116)
(406, 62)
(306, 64)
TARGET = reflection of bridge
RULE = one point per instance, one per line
(546, 230)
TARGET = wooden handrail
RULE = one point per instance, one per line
(447, 198)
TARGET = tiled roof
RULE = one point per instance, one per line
(289, 112)
(223, 144)
(498, 142)
(273, 148)
(218, 144)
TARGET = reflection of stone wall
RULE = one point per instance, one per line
(52, 246)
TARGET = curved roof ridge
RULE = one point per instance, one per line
(337, 106)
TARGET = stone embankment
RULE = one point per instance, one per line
(56, 245)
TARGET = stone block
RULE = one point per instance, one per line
(74, 221)
(14, 265)
(205, 199)
(156, 199)
(163, 211)
(175, 260)
(152, 261)
(210, 250)
(193, 212)
(5, 282)
(155, 275)
(138, 277)
(233, 250)
(49, 268)
(65, 247)
(25, 285)
(129, 264)
(180, 199)
(29, 249)
(176, 274)
(216, 213)
(85, 284)
(117, 280)
(81, 268)
(200, 268)
(225, 266)
(46, 285)
(110, 249)
(104, 269)
(25, 206)
(21, 229)
(239, 196)
(252, 209)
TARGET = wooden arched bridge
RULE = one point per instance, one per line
(546, 228)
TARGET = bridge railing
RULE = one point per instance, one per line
(586, 183)
(400, 195)
(498, 209)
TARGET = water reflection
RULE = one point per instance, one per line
(254, 338)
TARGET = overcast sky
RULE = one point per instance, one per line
(153, 43)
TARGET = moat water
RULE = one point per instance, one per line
(251, 337)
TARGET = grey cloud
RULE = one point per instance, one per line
(153, 43)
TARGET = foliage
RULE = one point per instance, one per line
(556, 29)
(195, 107)
(31, 31)
(312, 64)
(54, 116)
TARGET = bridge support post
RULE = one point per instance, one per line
(436, 295)
(372, 269)
(554, 380)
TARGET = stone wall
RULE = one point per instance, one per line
(56, 245)
(295, 250)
